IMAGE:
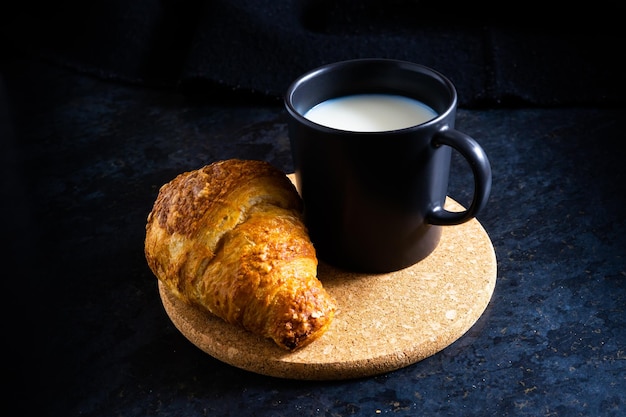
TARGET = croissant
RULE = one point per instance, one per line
(229, 238)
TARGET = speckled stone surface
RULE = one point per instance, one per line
(85, 331)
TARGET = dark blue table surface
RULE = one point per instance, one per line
(87, 335)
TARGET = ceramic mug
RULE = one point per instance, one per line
(374, 187)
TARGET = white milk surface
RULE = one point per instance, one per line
(370, 112)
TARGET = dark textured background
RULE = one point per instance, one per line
(526, 53)
(103, 102)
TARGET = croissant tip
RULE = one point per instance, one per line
(294, 340)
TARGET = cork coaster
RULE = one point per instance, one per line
(384, 322)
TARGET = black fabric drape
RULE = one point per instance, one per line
(496, 55)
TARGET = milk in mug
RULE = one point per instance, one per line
(370, 112)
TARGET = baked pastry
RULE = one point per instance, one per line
(230, 239)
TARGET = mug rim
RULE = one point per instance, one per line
(312, 73)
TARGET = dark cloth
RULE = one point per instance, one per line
(514, 54)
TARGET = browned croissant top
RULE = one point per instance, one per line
(229, 238)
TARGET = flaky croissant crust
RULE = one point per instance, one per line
(229, 238)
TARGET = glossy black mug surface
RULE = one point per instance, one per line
(374, 201)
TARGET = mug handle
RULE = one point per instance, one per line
(481, 168)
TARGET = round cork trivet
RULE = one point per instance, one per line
(384, 322)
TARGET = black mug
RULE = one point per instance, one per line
(374, 199)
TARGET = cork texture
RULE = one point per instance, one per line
(384, 321)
